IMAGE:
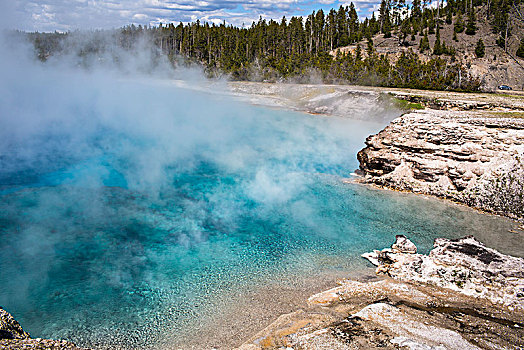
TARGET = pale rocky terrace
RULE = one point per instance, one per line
(462, 295)
(470, 158)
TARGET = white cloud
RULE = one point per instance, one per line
(63, 15)
(139, 17)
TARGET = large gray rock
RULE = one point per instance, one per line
(464, 265)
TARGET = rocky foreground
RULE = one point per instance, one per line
(473, 158)
(462, 295)
(13, 337)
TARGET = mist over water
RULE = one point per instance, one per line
(129, 206)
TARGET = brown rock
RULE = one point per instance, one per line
(13, 337)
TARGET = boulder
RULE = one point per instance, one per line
(464, 265)
(403, 245)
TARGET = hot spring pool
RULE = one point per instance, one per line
(135, 214)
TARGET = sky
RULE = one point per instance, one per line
(69, 15)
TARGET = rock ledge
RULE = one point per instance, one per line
(462, 295)
(469, 158)
(464, 265)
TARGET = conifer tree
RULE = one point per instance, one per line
(437, 48)
(500, 10)
(342, 26)
(520, 50)
(459, 23)
(471, 27)
(501, 42)
(369, 46)
(387, 29)
(416, 11)
(405, 29)
(449, 16)
(432, 24)
(352, 24)
(480, 49)
(424, 43)
(358, 53)
(423, 25)
(384, 18)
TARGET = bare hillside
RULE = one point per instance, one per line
(496, 67)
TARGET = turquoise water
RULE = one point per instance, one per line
(127, 209)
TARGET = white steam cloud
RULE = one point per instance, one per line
(92, 150)
(69, 112)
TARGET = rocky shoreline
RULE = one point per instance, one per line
(467, 147)
(462, 295)
(470, 158)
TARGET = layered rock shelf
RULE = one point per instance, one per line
(473, 159)
(462, 295)
(464, 265)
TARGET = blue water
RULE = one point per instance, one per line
(128, 209)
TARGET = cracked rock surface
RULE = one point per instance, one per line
(417, 305)
(476, 160)
(463, 265)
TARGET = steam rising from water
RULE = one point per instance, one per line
(124, 194)
(102, 123)
(129, 206)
